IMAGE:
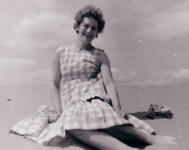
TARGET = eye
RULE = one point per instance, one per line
(86, 26)
(94, 28)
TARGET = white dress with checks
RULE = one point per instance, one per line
(81, 81)
(83, 97)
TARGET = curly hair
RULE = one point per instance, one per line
(90, 11)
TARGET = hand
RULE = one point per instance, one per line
(53, 117)
(120, 113)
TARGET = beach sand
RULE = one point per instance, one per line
(18, 102)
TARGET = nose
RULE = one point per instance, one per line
(89, 29)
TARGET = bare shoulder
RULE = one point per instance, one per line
(103, 56)
(59, 51)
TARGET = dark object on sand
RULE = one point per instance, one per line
(8, 99)
(157, 111)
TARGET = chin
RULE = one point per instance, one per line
(87, 41)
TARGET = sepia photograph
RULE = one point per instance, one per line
(94, 74)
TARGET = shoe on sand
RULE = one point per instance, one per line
(157, 111)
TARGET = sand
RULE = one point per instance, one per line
(18, 102)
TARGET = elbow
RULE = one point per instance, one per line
(55, 81)
(109, 83)
(55, 84)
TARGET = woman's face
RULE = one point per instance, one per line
(88, 29)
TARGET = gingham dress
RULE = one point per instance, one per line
(82, 91)
(83, 97)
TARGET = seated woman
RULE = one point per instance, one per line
(82, 86)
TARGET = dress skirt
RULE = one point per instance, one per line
(86, 115)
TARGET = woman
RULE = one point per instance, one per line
(83, 87)
(83, 76)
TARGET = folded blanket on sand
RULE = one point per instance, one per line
(33, 125)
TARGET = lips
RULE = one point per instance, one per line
(88, 36)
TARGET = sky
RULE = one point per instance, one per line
(147, 41)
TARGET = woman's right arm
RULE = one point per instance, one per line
(55, 83)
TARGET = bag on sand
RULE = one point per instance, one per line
(157, 111)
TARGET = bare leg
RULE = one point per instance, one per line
(99, 140)
(143, 136)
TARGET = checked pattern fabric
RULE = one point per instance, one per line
(83, 97)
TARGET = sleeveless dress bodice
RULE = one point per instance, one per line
(81, 77)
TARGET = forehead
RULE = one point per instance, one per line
(90, 21)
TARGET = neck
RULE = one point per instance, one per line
(83, 46)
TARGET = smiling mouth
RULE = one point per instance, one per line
(88, 36)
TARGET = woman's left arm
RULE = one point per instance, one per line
(109, 83)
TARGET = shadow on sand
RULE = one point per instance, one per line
(143, 115)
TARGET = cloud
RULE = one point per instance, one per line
(33, 25)
(156, 78)
(44, 27)
(15, 70)
(118, 75)
(12, 11)
(115, 70)
(168, 24)
(41, 76)
(22, 71)
(181, 74)
(15, 62)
